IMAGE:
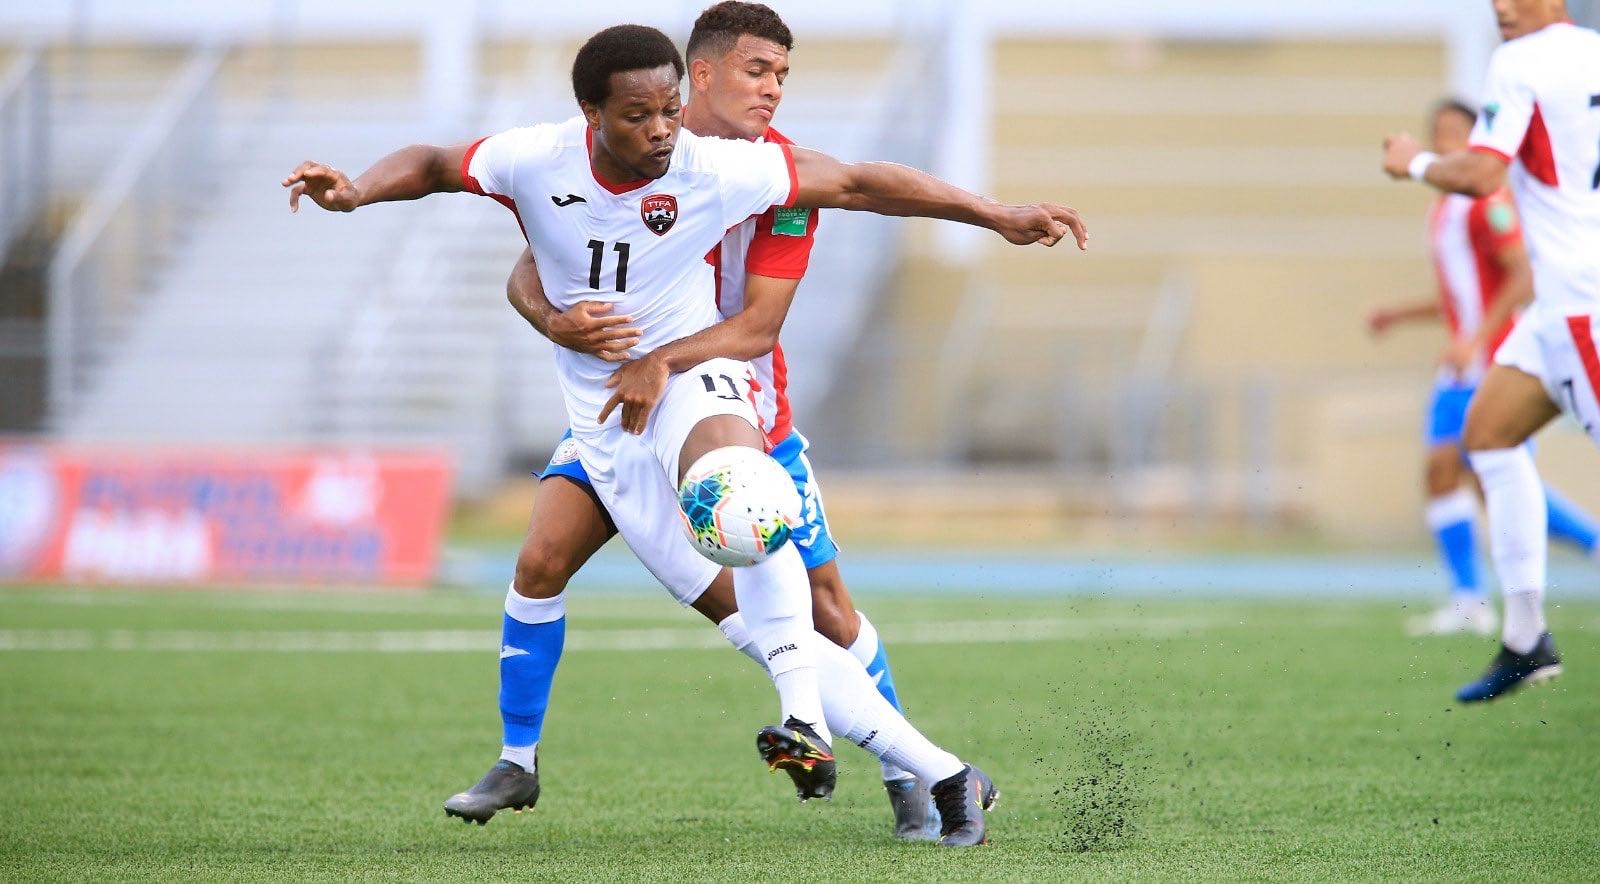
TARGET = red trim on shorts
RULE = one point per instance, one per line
(1583, 339)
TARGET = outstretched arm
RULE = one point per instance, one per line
(1381, 318)
(1475, 173)
(584, 327)
(892, 189)
(407, 174)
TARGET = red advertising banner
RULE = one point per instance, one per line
(105, 515)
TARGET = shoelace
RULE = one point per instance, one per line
(951, 800)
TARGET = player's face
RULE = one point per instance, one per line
(1451, 132)
(742, 89)
(637, 126)
(1518, 18)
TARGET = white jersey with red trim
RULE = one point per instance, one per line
(641, 246)
(1467, 238)
(776, 243)
(1541, 114)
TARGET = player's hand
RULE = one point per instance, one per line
(1459, 355)
(586, 328)
(1043, 223)
(638, 385)
(1398, 152)
(1379, 320)
(324, 185)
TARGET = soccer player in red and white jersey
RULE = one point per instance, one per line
(1540, 124)
(738, 57)
(623, 204)
(1484, 277)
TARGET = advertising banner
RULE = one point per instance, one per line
(107, 515)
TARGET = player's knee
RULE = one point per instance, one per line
(1485, 435)
(834, 616)
(543, 568)
(1443, 474)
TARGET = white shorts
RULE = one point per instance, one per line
(1561, 352)
(630, 474)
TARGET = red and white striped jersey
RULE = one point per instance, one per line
(776, 243)
(1467, 237)
(1541, 115)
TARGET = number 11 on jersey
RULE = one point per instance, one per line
(599, 250)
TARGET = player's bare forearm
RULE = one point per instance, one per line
(893, 189)
(407, 174)
(1471, 172)
(412, 173)
(526, 294)
(1382, 318)
(748, 334)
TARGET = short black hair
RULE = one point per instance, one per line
(617, 50)
(720, 26)
(1456, 106)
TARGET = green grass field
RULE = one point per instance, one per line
(277, 736)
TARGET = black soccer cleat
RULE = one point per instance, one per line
(799, 751)
(1511, 670)
(507, 785)
(961, 799)
(915, 818)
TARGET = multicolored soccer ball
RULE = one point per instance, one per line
(738, 505)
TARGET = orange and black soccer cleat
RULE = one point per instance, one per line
(797, 749)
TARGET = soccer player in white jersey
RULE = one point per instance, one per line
(1540, 121)
(738, 58)
(1483, 278)
(620, 204)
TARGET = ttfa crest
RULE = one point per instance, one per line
(660, 212)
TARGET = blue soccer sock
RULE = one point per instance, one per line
(532, 636)
(1450, 517)
(868, 649)
(1569, 522)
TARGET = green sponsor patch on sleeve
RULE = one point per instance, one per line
(790, 222)
(1502, 217)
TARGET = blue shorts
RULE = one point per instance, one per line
(1448, 413)
(812, 538)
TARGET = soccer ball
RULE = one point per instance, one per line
(738, 505)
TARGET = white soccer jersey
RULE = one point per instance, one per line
(642, 245)
(1541, 114)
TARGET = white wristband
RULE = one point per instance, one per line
(1418, 169)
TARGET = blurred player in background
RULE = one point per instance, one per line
(623, 175)
(1540, 121)
(738, 57)
(1484, 279)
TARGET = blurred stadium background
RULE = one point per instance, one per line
(1139, 524)
(1202, 375)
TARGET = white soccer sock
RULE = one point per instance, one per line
(857, 710)
(733, 630)
(524, 756)
(865, 649)
(853, 707)
(774, 598)
(1518, 539)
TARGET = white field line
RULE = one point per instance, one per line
(422, 641)
(376, 602)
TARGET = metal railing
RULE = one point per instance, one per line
(24, 145)
(114, 244)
